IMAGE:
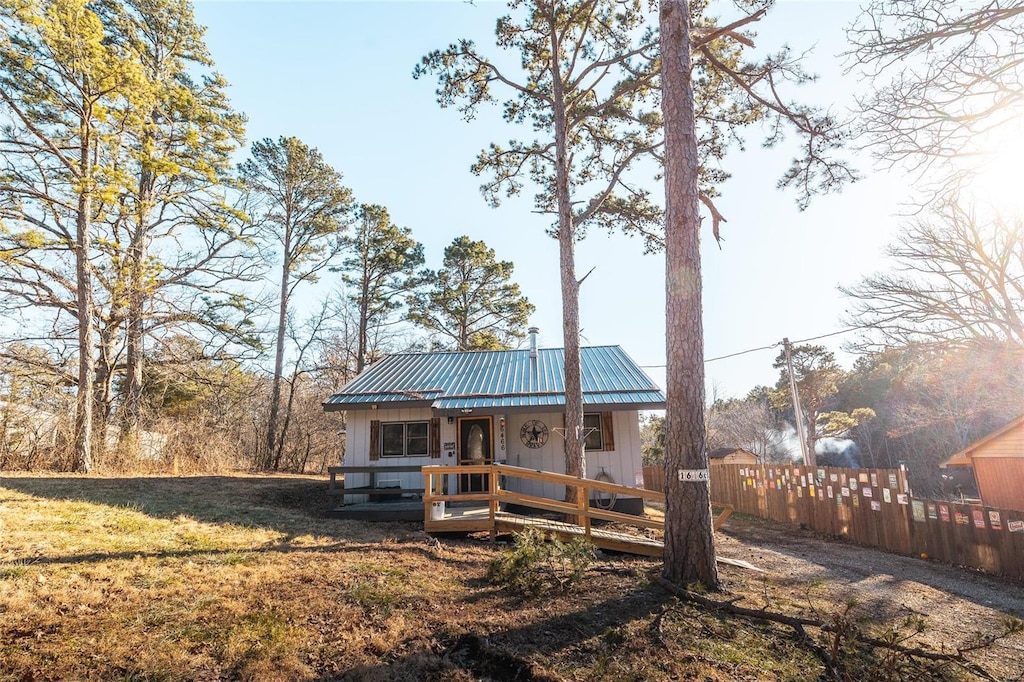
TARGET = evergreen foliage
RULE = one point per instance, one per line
(472, 304)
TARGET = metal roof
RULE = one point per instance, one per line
(508, 379)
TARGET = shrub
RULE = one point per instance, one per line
(533, 564)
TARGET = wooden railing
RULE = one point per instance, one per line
(581, 510)
(337, 488)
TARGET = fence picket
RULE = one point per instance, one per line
(878, 511)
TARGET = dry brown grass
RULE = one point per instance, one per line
(241, 577)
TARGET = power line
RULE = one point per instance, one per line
(776, 345)
(854, 328)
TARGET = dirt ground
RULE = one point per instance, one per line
(242, 577)
(957, 602)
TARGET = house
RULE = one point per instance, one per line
(732, 456)
(998, 464)
(25, 433)
(481, 407)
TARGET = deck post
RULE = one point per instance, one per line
(492, 504)
(428, 495)
(583, 504)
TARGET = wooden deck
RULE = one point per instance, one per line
(487, 513)
(477, 519)
(485, 510)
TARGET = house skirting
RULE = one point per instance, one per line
(630, 505)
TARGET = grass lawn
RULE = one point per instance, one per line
(241, 577)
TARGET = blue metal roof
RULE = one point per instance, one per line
(508, 379)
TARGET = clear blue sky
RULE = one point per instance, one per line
(338, 76)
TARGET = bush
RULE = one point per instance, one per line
(534, 564)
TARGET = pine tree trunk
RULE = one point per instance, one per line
(364, 323)
(575, 462)
(103, 384)
(83, 276)
(135, 327)
(275, 389)
(689, 542)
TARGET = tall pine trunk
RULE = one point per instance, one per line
(689, 541)
(270, 443)
(364, 320)
(135, 326)
(84, 300)
(575, 462)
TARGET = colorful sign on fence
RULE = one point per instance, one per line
(948, 531)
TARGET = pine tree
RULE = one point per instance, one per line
(473, 304)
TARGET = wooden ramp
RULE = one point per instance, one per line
(481, 511)
(599, 537)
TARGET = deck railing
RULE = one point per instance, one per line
(436, 490)
(337, 488)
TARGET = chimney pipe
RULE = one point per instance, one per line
(533, 331)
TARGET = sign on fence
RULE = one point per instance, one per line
(889, 517)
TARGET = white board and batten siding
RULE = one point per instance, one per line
(623, 464)
(357, 449)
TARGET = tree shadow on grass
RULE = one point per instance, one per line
(510, 654)
(291, 505)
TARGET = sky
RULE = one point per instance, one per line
(338, 75)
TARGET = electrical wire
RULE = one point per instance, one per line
(779, 344)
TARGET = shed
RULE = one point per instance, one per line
(732, 456)
(998, 464)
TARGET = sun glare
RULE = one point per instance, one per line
(997, 185)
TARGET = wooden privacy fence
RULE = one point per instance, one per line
(875, 507)
(654, 478)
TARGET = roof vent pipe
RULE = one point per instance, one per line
(533, 331)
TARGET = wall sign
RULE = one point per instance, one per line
(534, 434)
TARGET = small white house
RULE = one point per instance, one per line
(482, 407)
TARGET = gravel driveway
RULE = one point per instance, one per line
(804, 568)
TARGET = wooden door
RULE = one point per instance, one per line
(475, 447)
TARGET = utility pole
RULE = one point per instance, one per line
(798, 415)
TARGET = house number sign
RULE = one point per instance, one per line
(695, 475)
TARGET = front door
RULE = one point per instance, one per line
(474, 448)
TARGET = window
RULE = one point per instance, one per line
(600, 436)
(593, 423)
(404, 439)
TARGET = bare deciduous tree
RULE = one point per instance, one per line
(954, 72)
(956, 279)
